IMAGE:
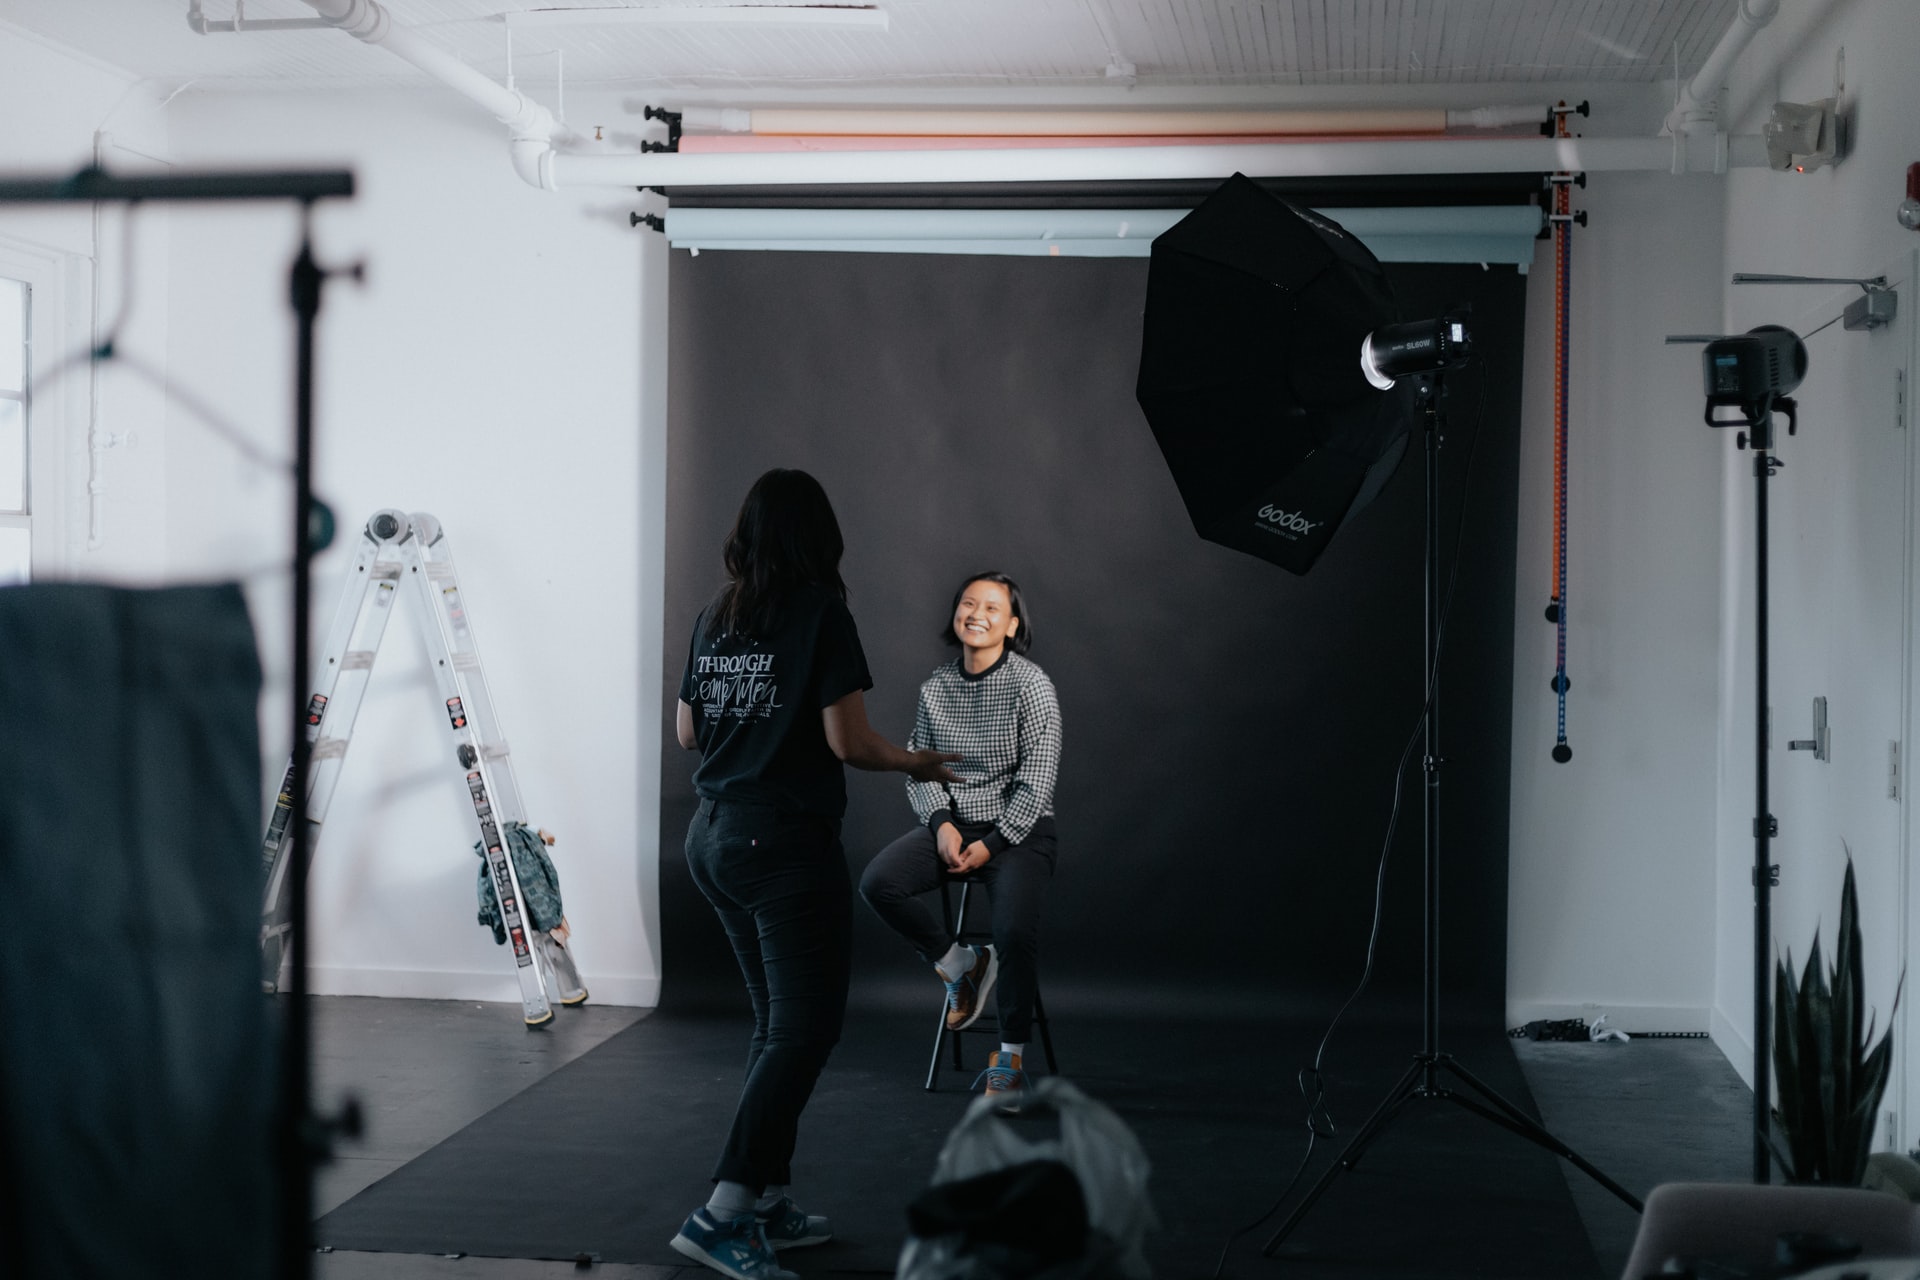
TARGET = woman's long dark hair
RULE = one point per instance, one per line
(784, 537)
(1021, 640)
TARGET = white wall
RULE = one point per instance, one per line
(1610, 872)
(489, 371)
(1838, 222)
(59, 106)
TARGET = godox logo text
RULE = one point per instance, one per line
(1293, 521)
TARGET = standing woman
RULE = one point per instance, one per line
(998, 710)
(771, 699)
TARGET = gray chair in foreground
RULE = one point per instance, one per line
(1737, 1222)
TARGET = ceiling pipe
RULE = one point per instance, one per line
(532, 130)
(1696, 109)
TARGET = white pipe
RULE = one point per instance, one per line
(527, 121)
(1096, 164)
(1698, 104)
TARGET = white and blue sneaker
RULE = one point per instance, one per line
(734, 1247)
(787, 1226)
(967, 994)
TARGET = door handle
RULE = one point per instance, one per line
(1820, 743)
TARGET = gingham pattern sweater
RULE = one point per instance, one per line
(1005, 723)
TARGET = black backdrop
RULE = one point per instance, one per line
(1230, 729)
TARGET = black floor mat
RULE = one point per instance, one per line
(608, 1154)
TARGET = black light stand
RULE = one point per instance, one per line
(303, 1136)
(1423, 1079)
(1766, 873)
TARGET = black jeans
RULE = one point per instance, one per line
(1016, 880)
(779, 883)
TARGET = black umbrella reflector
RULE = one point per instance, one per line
(1250, 373)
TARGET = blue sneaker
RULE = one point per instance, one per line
(734, 1247)
(787, 1226)
(1004, 1079)
(967, 994)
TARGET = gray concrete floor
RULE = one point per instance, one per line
(422, 1070)
(1644, 1112)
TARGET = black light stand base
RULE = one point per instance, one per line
(1422, 1082)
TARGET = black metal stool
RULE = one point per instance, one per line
(986, 1024)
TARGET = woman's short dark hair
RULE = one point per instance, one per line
(785, 537)
(1021, 640)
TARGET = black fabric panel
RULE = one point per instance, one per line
(626, 1135)
(1231, 730)
(136, 1078)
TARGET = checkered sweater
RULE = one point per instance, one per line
(1005, 723)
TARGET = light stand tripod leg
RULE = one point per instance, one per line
(1402, 1092)
(1514, 1120)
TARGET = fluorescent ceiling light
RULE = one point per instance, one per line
(869, 17)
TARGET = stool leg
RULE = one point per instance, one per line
(933, 1067)
(1046, 1035)
(940, 1035)
(959, 932)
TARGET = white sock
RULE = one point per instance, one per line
(730, 1200)
(769, 1198)
(1008, 1052)
(958, 961)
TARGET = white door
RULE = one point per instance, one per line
(1840, 603)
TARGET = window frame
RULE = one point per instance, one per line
(52, 278)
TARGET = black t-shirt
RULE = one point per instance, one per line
(756, 705)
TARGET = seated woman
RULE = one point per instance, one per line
(999, 712)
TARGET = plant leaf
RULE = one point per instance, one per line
(1786, 1059)
(1849, 991)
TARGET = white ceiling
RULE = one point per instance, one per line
(928, 44)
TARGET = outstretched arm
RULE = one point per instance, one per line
(857, 743)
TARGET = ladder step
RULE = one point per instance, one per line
(466, 660)
(494, 751)
(357, 660)
(329, 749)
(439, 572)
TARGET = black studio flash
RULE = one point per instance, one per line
(1421, 346)
(1750, 371)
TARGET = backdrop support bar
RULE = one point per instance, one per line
(93, 183)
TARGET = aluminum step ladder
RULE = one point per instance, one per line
(395, 546)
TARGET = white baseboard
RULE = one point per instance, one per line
(1735, 1044)
(1634, 1019)
(501, 988)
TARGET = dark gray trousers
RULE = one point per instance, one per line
(1016, 880)
(779, 883)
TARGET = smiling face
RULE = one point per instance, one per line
(983, 621)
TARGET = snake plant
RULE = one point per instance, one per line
(1828, 1079)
